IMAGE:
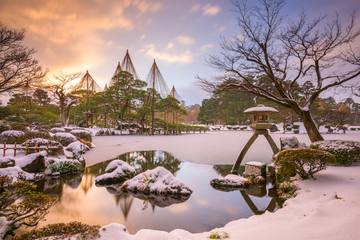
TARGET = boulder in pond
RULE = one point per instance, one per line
(230, 180)
(290, 142)
(116, 171)
(32, 163)
(77, 149)
(156, 181)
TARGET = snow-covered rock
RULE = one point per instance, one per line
(12, 136)
(33, 163)
(157, 181)
(113, 231)
(230, 180)
(290, 142)
(16, 173)
(77, 149)
(7, 162)
(64, 138)
(57, 129)
(116, 171)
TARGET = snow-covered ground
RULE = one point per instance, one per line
(326, 208)
(206, 148)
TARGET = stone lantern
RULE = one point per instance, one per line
(260, 123)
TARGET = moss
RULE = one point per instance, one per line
(63, 230)
(302, 162)
(218, 235)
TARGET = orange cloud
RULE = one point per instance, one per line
(69, 34)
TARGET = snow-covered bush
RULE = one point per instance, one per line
(230, 180)
(77, 149)
(64, 138)
(37, 134)
(116, 171)
(64, 166)
(56, 146)
(304, 162)
(12, 136)
(82, 134)
(57, 129)
(286, 190)
(156, 181)
(345, 152)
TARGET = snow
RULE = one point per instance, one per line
(206, 148)
(326, 208)
(7, 161)
(40, 142)
(230, 180)
(158, 181)
(12, 133)
(75, 131)
(16, 173)
(260, 108)
(256, 164)
(116, 171)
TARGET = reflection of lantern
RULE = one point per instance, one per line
(260, 122)
(260, 116)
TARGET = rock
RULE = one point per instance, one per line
(33, 163)
(230, 180)
(82, 134)
(116, 171)
(7, 162)
(65, 138)
(156, 181)
(254, 169)
(290, 142)
(345, 152)
(77, 149)
(16, 173)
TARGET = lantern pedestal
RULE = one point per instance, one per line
(259, 129)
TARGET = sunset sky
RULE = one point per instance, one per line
(93, 35)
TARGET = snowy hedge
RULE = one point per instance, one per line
(57, 129)
(37, 134)
(64, 138)
(345, 152)
(44, 142)
(300, 161)
(12, 136)
(82, 134)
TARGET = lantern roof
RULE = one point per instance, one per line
(261, 109)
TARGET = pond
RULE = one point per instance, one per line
(81, 200)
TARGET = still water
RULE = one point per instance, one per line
(81, 200)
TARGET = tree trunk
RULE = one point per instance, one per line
(310, 126)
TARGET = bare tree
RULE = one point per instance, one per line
(287, 55)
(18, 67)
(62, 89)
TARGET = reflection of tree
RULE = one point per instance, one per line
(142, 161)
(160, 200)
(87, 181)
(225, 169)
(122, 199)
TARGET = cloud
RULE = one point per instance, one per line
(71, 34)
(185, 40)
(206, 10)
(167, 56)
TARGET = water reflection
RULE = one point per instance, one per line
(81, 200)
